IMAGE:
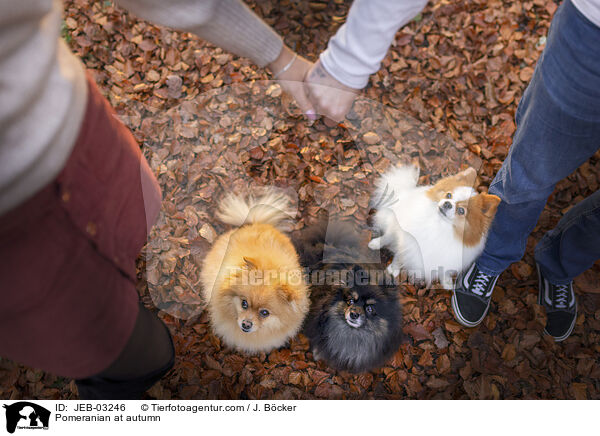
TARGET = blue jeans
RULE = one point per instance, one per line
(558, 129)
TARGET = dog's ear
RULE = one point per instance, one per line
(489, 204)
(229, 292)
(286, 293)
(250, 263)
(469, 177)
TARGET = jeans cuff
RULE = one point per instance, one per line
(550, 277)
(486, 270)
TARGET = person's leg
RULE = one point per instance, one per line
(558, 123)
(80, 236)
(148, 355)
(573, 245)
(563, 253)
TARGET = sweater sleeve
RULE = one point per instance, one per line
(357, 49)
(228, 24)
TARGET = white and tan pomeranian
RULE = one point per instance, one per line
(256, 293)
(434, 231)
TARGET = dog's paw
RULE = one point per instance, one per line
(447, 283)
(374, 244)
(393, 269)
(316, 355)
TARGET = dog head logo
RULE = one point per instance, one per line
(26, 415)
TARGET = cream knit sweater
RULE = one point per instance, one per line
(42, 84)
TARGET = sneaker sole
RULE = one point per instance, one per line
(460, 319)
(540, 302)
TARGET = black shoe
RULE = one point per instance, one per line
(561, 307)
(471, 296)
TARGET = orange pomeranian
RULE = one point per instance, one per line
(252, 280)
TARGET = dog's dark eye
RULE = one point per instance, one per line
(460, 211)
(264, 313)
(350, 302)
(449, 195)
(370, 309)
(244, 304)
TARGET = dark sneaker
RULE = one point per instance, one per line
(561, 307)
(471, 296)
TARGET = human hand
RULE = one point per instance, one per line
(328, 96)
(292, 79)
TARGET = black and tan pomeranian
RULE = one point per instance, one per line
(354, 322)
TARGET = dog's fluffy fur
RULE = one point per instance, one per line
(251, 277)
(354, 323)
(434, 231)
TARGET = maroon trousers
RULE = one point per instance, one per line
(67, 255)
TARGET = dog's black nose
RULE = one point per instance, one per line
(354, 315)
(447, 205)
(246, 325)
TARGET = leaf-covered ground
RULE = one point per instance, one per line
(445, 96)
